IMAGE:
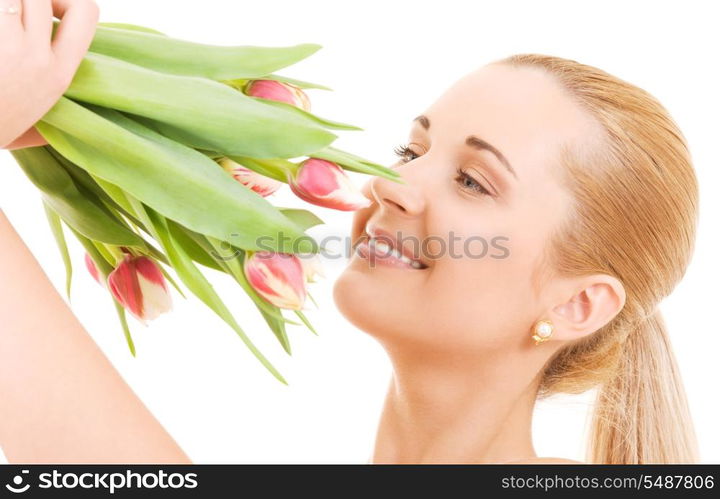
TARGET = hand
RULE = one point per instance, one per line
(35, 70)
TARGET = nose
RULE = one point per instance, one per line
(406, 199)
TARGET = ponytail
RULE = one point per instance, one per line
(641, 413)
(633, 216)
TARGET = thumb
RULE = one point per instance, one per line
(31, 138)
(78, 19)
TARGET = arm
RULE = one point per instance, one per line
(61, 400)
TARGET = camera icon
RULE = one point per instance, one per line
(18, 487)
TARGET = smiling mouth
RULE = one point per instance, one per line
(376, 250)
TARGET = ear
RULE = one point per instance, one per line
(595, 301)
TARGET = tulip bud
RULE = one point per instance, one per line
(277, 277)
(259, 183)
(139, 285)
(278, 91)
(92, 268)
(324, 183)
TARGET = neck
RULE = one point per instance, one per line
(449, 408)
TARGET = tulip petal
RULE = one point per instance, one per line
(277, 277)
(126, 289)
(156, 298)
(139, 285)
(251, 179)
(318, 177)
(149, 270)
(279, 92)
(324, 183)
(92, 268)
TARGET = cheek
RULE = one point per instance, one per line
(481, 301)
(479, 296)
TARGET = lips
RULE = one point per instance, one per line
(380, 237)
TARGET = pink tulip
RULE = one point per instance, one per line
(324, 183)
(278, 91)
(92, 268)
(277, 277)
(138, 284)
(259, 183)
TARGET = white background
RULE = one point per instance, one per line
(388, 61)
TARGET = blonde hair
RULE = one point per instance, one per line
(634, 217)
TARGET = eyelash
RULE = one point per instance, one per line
(403, 152)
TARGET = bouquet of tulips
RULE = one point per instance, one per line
(161, 155)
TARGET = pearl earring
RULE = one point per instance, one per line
(542, 331)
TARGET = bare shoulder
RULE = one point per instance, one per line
(546, 460)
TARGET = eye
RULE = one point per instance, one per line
(405, 153)
(467, 182)
(463, 178)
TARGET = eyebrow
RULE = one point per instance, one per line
(476, 143)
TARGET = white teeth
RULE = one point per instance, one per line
(385, 249)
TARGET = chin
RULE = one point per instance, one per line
(371, 304)
(353, 296)
(368, 305)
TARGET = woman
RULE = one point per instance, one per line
(587, 184)
(570, 202)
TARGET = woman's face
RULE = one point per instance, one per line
(479, 223)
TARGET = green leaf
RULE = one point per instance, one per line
(128, 27)
(116, 194)
(119, 199)
(293, 81)
(123, 322)
(226, 120)
(177, 181)
(273, 168)
(358, 159)
(109, 256)
(306, 322)
(239, 83)
(56, 228)
(352, 163)
(278, 329)
(172, 281)
(87, 184)
(75, 208)
(104, 268)
(302, 218)
(313, 300)
(198, 284)
(180, 57)
(336, 125)
(210, 154)
(192, 248)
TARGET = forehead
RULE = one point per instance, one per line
(523, 112)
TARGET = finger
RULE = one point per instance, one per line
(75, 32)
(31, 138)
(11, 17)
(38, 19)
